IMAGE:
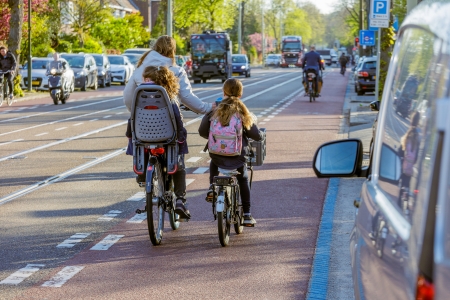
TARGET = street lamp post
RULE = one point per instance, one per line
(240, 28)
(30, 83)
(263, 40)
(169, 17)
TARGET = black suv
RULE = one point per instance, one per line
(104, 69)
(85, 70)
(365, 74)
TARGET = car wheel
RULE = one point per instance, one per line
(109, 81)
(197, 81)
(104, 82)
(204, 80)
(84, 88)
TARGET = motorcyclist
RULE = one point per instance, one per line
(8, 63)
(312, 61)
(60, 67)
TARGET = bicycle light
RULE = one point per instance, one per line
(157, 151)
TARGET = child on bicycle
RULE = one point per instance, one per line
(230, 106)
(161, 75)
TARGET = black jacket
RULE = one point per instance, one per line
(231, 162)
(7, 62)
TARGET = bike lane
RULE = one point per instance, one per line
(271, 260)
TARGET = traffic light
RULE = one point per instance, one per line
(356, 41)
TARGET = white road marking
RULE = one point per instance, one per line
(203, 151)
(270, 117)
(73, 240)
(263, 113)
(110, 215)
(47, 104)
(63, 276)
(138, 218)
(266, 120)
(107, 242)
(262, 123)
(119, 113)
(78, 124)
(6, 143)
(44, 133)
(189, 181)
(137, 197)
(20, 275)
(200, 170)
(108, 116)
(61, 128)
(93, 120)
(194, 159)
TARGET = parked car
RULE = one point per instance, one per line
(240, 64)
(365, 75)
(326, 55)
(136, 51)
(121, 68)
(399, 245)
(39, 78)
(104, 69)
(334, 57)
(134, 58)
(85, 69)
(273, 60)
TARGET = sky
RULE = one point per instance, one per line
(325, 6)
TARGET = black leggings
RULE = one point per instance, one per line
(242, 181)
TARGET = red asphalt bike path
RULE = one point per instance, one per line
(270, 261)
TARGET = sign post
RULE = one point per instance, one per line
(379, 17)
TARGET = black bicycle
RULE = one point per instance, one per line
(4, 88)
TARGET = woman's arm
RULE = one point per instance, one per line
(188, 98)
(128, 92)
(254, 133)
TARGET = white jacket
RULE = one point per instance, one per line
(185, 94)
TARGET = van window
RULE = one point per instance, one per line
(409, 125)
(370, 65)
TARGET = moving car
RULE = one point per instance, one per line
(85, 69)
(326, 55)
(273, 60)
(104, 69)
(365, 75)
(121, 68)
(38, 74)
(240, 64)
(399, 245)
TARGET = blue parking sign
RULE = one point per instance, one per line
(367, 38)
(379, 9)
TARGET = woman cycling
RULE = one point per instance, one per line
(232, 105)
(163, 54)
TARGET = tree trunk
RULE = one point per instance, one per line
(15, 25)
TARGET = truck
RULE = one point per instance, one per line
(291, 51)
(211, 56)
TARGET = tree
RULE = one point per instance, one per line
(316, 22)
(15, 26)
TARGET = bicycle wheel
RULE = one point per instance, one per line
(173, 217)
(155, 208)
(223, 225)
(310, 92)
(1, 95)
(238, 213)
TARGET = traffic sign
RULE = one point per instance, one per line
(367, 38)
(378, 23)
(380, 9)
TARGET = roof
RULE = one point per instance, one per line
(126, 5)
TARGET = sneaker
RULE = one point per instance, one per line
(181, 209)
(210, 195)
(249, 221)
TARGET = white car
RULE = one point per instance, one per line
(38, 74)
(121, 68)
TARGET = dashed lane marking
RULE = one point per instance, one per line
(194, 159)
(63, 276)
(93, 120)
(262, 123)
(20, 275)
(73, 240)
(107, 242)
(189, 181)
(110, 215)
(61, 128)
(137, 197)
(138, 218)
(78, 124)
(266, 120)
(200, 171)
(6, 143)
(108, 116)
(40, 134)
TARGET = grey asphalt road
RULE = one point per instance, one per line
(66, 185)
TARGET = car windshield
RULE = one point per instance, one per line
(37, 64)
(98, 60)
(133, 58)
(323, 52)
(272, 56)
(116, 60)
(239, 59)
(74, 61)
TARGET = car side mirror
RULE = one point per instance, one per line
(342, 158)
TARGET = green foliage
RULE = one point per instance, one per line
(387, 42)
(296, 23)
(181, 44)
(64, 47)
(17, 89)
(90, 46)
(253, 54)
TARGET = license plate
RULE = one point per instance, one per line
(236, 74)
(35, 82)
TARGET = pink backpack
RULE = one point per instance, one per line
(225, 140)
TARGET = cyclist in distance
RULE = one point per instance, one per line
(343, 60)
(162, 76)
(228, 107)
(312, 61)
(8, 63)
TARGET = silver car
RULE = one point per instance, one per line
(39, 78)
(273, 60)
(400, 243)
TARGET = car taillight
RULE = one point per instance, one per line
(363, 74)
(425, 289)
(157, 151)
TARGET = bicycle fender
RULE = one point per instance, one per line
(220, 203)
(148, 179)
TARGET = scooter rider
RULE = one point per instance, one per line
(312, 61)
(8, 63)
(60, 67)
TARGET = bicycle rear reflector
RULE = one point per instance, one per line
(151, 107)
(157, 151)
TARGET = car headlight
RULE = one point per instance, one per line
(243, 67)
(102, 73)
